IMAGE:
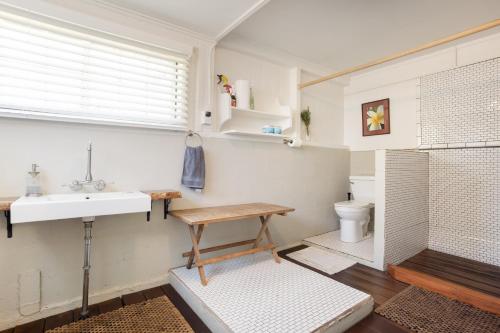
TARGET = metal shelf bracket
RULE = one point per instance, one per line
(166, 205)
(9, 224)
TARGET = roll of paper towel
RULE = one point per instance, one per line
(242, 88)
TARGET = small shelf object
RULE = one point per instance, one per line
(246, 122)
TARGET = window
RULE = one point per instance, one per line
(58, 73)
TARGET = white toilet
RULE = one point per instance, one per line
(355, 214)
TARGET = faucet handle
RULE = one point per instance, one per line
(74, 186)
(100, 185)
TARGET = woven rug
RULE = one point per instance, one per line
(423, 311)
(154, 316)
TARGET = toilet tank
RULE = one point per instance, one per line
(363, 188)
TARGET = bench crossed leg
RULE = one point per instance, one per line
(264, 220)
(195, 252)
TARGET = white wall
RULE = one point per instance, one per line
(402, 117)
(398, 82)
(326, 102)
(128, 253)
(362, 163)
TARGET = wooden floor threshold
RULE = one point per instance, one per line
(446, 288)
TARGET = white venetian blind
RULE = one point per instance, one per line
(61, 73)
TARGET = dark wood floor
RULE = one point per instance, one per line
(42, 325)
(379, 284)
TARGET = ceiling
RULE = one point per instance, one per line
(342, 33)
(332, 34)
(212, 18)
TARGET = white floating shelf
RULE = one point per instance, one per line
(234, 120)
(253, 134)
(261, 114)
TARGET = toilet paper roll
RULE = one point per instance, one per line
(295, 143)
(242, 88)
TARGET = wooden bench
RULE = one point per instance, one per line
(202, 217)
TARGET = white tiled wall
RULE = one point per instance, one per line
(460, 107)
(459, 121)
(464, 203)
(406, 229)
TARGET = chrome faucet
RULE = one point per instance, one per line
(78, 185)
(88, 177)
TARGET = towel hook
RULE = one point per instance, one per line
(191, 133)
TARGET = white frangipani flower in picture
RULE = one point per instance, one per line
(375, 120)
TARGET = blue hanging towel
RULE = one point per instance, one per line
(193, 173)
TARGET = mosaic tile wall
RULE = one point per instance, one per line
(459, 124)
(464, 205)
(460, 107)
(406, 228)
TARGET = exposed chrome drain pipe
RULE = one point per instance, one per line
(87, 224)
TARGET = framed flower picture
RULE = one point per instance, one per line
(375, 117)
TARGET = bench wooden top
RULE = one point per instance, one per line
(228, 213)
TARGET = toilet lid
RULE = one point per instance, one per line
(353, 204)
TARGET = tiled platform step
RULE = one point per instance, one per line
(271, 297)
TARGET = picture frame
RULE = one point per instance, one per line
(375, 117)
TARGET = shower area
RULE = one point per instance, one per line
(459, 127)
(445, 194)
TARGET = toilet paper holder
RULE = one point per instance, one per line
(293, 142)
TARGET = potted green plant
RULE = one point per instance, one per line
(305, 116)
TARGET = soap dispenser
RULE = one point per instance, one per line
(33, 186)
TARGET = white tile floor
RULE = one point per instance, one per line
(255, 294)
(331, 241)
(323, 260)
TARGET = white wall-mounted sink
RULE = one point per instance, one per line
(77, 205)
